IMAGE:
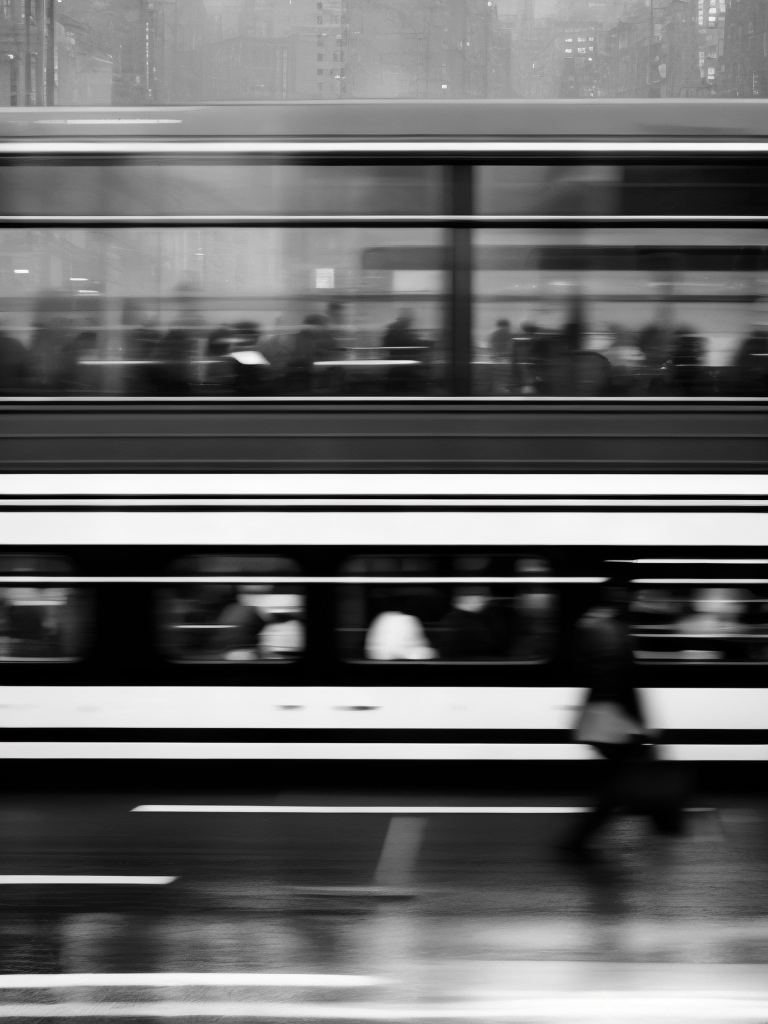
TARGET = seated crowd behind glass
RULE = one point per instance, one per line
(466, 622)
(652, 362)
(706, 623)
(321, 355)
(233, 622)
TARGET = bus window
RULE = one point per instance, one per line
(239, 616)
(232, 622)
(44, 623)
(700, 623)
(446, 614)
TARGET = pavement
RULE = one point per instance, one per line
(375, 906)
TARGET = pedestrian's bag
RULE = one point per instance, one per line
(605, 721)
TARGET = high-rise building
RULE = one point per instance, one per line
(427, 49)
(27, 60)
(745, 48)
(320, 33)
(577, 43)
(652, 51)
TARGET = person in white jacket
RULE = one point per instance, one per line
(395, 636)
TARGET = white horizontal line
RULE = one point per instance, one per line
(399, 580)
(233, 217)
(690, 561)
(87, 879)
(339, 809)
(352, 503)
(474, 147)
(116, 750)
(353, 364)
(268, 400)
(46, 981)
(377, 485)
(709, 581)
(111, 120)
(524, 1006)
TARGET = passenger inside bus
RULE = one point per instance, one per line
(454, 623)
(232, 622)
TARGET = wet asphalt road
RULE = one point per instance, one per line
(377, 916)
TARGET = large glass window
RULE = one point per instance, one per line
(140, 187)
(631, 312)
(223, 311)
(632, 189)
(700, 623)
(230, 619)
(548, 189)
(474, 609)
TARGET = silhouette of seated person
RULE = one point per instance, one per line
(240, 633)
(401, 341)
(308, 347)
(685, 370)
(252, 371)
(474, 627)
(14, 365)
(751, 364)
(533, 624)
(525, 357)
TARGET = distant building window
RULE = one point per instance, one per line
(319, 6)
(321, 56)
(319, 21)
(581, 39)
(569, 40)
(319, 71)
(569, 51)
(582, 49)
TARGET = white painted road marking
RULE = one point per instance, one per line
(87, 879)
(333, 809)
(525, 1006)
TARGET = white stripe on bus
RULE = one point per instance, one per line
(372, 530)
